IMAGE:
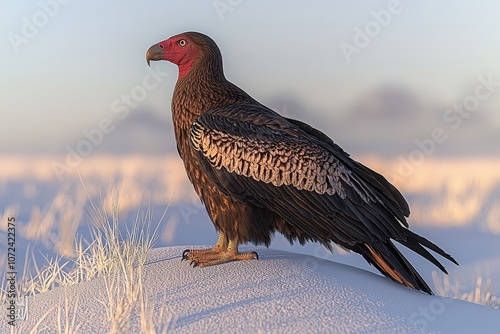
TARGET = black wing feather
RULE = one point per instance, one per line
(256, 156)
(257, 128)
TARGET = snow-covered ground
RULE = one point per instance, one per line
(280, 293)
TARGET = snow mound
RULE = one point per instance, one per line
(281, 293)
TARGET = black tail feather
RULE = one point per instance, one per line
(390, 262)
(414, 238)
(417, 248)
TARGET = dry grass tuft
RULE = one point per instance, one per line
(118, 258)
(481, 294)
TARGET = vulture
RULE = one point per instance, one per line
(258, 173)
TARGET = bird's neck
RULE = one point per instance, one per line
(195, 94)
(204, 88)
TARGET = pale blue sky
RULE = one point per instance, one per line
(66, 77)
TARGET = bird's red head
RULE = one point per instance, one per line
(180, 50)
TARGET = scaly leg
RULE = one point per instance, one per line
(223, 251)
(220, 245)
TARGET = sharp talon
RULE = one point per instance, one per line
(255, 255)
(185, 254)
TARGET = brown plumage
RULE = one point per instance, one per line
(258, 172)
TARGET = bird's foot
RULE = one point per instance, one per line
(191, 254)
(209, 257)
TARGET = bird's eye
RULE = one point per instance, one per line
(182, 42)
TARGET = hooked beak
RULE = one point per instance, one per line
(155, 52)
